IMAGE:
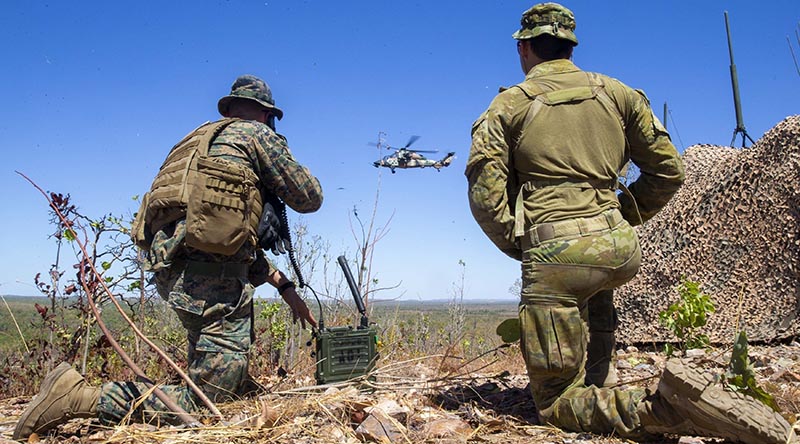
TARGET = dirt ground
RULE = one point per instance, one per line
(412, 402)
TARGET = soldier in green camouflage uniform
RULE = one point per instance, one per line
(211, 293)
(542, 183)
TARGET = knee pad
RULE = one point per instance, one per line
(602, 314)
(553, 340)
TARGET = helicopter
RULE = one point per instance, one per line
(405, 157)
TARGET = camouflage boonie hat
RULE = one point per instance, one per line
(250, 88)
(547, 18)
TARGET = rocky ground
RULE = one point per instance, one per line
(411, 404)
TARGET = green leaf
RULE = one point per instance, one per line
(508, 330)
(69, 235)
(106, 265)
(685, 317)
(741, 377)
(739, 364)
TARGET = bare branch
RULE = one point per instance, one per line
(185, 417)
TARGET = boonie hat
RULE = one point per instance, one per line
(547, 18)
(250, 88)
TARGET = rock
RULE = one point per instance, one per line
(690, 440)
(379, 427)
(623, 364)
(447, 428)
(391, 408)
(695, 353)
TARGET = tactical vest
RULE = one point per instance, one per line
(219, 199)
(592, 89)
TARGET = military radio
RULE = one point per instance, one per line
(344, 353)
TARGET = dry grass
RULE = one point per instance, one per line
(486, 401)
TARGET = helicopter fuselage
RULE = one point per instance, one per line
(410, 159)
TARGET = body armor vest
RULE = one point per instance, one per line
(219, 199)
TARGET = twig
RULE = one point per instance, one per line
(13, 318)
(188, 419)
(406, 362)
(175, 408)
(634, 381)
(739, 309)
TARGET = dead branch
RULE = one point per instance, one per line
(185, 417)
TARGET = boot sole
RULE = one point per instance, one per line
(737, 417)
(37, 403)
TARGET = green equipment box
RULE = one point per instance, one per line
(345, 353)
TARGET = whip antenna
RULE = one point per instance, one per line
(735, 84)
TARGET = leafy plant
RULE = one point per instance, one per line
(508, 330)
(687, 316)
(741, 377)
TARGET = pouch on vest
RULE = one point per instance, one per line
(221, 199)
(141, 236)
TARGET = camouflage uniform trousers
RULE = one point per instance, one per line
(561, 271)
(217, 314)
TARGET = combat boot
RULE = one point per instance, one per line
(600, 369)
(689, 402)
(64, 395)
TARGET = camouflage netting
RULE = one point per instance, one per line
(732, 227)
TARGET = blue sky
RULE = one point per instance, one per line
(96, 93)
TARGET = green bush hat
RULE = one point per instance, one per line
(250, 88)
(547, 18)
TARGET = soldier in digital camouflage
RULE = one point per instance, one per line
(542, 184)
(212, 292)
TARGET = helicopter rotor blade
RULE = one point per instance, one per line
(411, 141)
(424, 151)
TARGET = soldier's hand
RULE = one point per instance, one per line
(281, 245)
(299, 308)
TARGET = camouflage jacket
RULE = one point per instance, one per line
(254, 144)
(564, 163)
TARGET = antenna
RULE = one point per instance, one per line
(735, 83)
(381, 140)
(792, 51)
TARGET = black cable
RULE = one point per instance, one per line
(285, 233)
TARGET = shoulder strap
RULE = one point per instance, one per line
(205, 135)
(605, 99)
(209, 132)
